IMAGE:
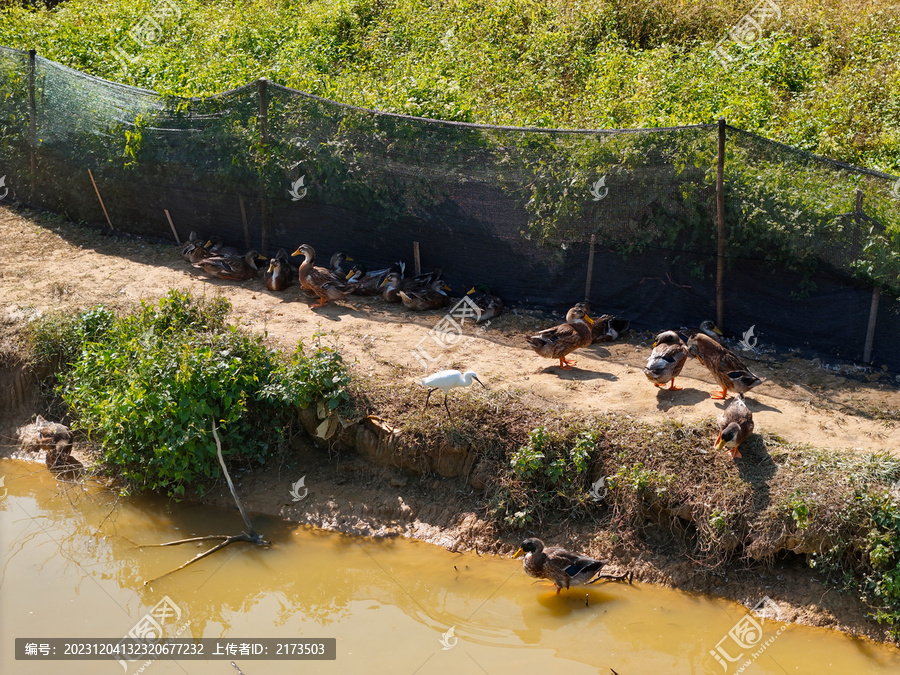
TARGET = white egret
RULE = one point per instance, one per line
(447, 380)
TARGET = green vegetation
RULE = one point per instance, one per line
(146, 387)
(824, 76)
(546, 468)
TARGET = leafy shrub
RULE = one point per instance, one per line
(548, 473)
(148, 386)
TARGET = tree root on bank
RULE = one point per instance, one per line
(251, 536)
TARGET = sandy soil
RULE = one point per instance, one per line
(57, 265)
(829, 405)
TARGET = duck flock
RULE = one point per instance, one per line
(670, 352)
(429, 291)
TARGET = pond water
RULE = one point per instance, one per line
(72, 568)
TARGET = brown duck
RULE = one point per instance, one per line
(231, 267)
(561, 566)
(562, 340)
(321, 281)
(432, 296)
(725, 367)
(735, 425)
(278, 276)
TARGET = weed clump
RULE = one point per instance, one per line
(147, 386)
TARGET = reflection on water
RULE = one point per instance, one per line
(73, 567)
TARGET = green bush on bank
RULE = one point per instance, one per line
(147, 387)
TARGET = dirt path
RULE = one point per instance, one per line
(58, 265)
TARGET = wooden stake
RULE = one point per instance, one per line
(870, 331)
(32, 121)
(417, 263)
(102, 205)
(590, 270)
(720, 223)
(262, 89)
(172, 225)
(876, 292)
(246, 228)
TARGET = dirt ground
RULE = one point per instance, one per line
(51, 264)
(828, 404)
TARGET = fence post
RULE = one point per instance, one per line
(262, 86)
(590, 270)
(876, 291)
(32, 121)
(720, 222)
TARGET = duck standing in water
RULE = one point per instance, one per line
(562, 566)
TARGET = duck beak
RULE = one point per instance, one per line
(297, 252)
(719, 442)
(271, 268)
(383, 282)
(472, 290)
(519, 553)
(716, 330)
(589, 320)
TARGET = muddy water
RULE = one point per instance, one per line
(72, 568)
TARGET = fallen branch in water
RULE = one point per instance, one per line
(251, 537)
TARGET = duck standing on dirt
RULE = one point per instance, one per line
(561, 566)
(735, 425)
(560, 341)
(278, 276)
(323, 282)
(666, 360)
(726, 368)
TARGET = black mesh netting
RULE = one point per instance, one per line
(267, 167)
